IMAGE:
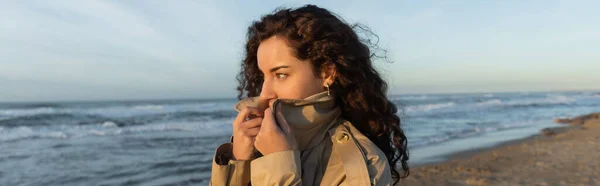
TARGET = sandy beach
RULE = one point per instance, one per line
(568, 155)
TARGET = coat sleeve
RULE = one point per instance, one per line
(226, 171)
(279, 168)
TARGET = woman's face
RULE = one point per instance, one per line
(285, 76)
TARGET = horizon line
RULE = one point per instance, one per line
(235, 97)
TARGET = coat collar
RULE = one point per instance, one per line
(309, 118)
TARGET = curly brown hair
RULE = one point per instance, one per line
(319, 36)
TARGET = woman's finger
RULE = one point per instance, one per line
(244, 113)
(252, 132)
(269, 124)
(256, 122)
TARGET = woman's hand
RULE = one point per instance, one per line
(245, 131)
(272, 138)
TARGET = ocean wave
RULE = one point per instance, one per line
(554, 99)
(464, 133)
(28, 133)
(489, 102)
(109, 124)
(5, 118)
(560, 99)
(32, 105)
(429, 107)
(118, 110)
(109, 128)
(49, 119)
(27, 111)
(419, 97)
(549, 100)
(592, 95)
(149, 107)
(488, 95)
(412, 98)
(457, 106)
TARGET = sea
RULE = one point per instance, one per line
(172, 142)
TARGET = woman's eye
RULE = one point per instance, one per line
(281, 76)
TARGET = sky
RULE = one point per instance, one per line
(120, 50)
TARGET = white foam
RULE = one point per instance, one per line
(58, 135)
(208, 126)
(148, 107)
(28, 112)
(109, 124)
(26, 132)
(488, 95)
(590, 94)
(551, 99)
(419, 97)
(437, 139)
(396, 98)
(122, 110)
(490, 102)
(560, 99)
(428, 107)
(213, 127)
(24, 129)
(97, 132)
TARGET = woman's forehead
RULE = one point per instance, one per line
(275, 52)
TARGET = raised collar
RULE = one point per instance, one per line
(309, 118)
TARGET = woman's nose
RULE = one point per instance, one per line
(267, 94)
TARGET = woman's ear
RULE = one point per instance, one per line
(328, 74)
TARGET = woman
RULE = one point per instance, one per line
(316, 111)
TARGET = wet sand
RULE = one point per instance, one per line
(568, 155)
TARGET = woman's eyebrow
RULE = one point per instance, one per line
(278, 67)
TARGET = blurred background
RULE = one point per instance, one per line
(141, 93)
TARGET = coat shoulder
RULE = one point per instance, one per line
(366, 162)
(372, 153)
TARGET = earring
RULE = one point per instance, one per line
(327, 86)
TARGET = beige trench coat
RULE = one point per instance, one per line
(331, 151)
